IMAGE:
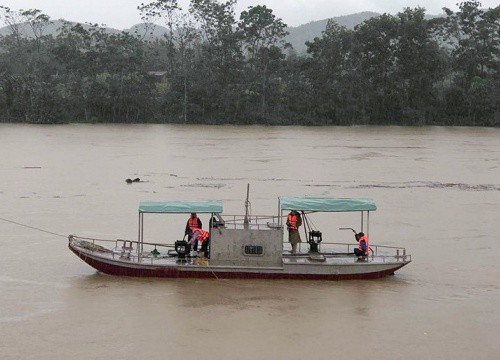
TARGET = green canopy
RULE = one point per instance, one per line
(326, 204)
(180, 207)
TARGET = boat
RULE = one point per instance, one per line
(246, 246)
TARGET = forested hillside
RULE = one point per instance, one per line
(212, 66)
(297, 36)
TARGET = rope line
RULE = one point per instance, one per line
(65, 236)
(34, 228)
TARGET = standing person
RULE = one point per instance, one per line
(293, 222)
(363, 247)
(193, 222)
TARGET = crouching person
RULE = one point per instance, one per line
(203, 237)
(363, 247)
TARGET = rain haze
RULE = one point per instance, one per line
(122, 14)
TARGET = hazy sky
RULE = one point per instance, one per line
(123, 14)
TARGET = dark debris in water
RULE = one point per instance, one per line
(130, 181)
(136, 180)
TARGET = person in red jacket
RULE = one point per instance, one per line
(201, 236)
(293, 222)
(363, 247)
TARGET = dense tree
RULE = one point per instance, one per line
(330, 72)
(101, 74)
(26, 68)
(219, 58)
(262, 36)
(475, 39)
(214, 67)
(375, 45)
(417, 75)
(179, 45)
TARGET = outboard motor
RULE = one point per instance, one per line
(315, 238)
(182, 248)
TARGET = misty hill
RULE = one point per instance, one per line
(307, 32)
(53, 28)
(297, 35)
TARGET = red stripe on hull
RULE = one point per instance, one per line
(170, 272)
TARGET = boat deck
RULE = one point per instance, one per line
(127, 261)
(129, 254)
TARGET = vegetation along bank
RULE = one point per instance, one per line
(209, 65)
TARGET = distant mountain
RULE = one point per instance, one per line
(307, 32)
(297, 35)
(147, 32)
(53, 28)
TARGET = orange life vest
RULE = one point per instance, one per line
(363, 244)
(202, 234)
(193, 223)
(292, 222)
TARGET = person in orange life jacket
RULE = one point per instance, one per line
(363, 247)
(201, 236)
(293, 222)
(193, 223)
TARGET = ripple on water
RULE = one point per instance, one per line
(431, 185)
(17, 308)
(210, 186)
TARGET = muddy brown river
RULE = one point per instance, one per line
(437, 191)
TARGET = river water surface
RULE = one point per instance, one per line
(437, 192)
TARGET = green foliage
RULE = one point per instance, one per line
(213, 67)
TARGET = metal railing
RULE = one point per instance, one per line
(255, 222)
(342, 249)
(123, 249)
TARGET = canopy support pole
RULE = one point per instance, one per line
(140, 236)
(139, 232)
(280, 213)
(368, 224)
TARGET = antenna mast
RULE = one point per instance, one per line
(246, 221)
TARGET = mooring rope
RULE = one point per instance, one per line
(213, 272)
(66, 236)
(34, 228)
